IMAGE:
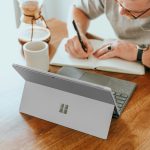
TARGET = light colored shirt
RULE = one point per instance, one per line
(137, 31)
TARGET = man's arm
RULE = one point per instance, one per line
(81, 20)
(73, 46)
(146, 58)
(122, 49)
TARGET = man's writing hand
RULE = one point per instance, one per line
(74, 48)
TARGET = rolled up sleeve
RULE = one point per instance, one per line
(92, 8)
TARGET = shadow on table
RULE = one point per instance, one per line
(56, 136)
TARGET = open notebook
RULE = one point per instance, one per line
(62, 58)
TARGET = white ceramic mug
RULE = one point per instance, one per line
(37, 55)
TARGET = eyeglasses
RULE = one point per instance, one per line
(131, 12)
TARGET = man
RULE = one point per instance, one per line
(130, 20)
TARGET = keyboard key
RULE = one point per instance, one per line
(120, 102)
(120, 98)
(119, 105)
(118, 94)
(124, 95)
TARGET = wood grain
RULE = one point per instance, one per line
(130, 132)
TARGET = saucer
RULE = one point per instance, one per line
(39, 34)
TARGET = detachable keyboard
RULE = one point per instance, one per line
(123, 89)
(121, 99)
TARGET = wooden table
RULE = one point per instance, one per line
(130, 132)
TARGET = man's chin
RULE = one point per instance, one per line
(129, 17)
(132, 18)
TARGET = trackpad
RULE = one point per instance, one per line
(97, 79)
(71, 72)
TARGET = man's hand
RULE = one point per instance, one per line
(119, 48)
(146, 58)
(74, 48)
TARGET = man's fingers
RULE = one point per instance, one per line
(105, 44)
(88, 46)
(100, 52)
(69, 47)
(107, 55)
(78, 49)
(75, 49)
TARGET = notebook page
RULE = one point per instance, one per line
(62, 58)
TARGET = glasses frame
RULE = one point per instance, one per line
(129, 11)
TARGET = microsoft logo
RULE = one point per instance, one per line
(63, 108)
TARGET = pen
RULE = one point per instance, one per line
(79, 37)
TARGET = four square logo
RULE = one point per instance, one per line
(63, 108)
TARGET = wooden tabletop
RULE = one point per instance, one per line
(130, 132)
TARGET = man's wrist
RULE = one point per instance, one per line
(146, 58)
(139, 55)
(140, 50)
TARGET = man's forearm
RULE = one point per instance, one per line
(81, 19)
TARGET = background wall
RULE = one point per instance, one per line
(59, 9)
(56, 8)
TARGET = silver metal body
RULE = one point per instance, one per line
(73, 103)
